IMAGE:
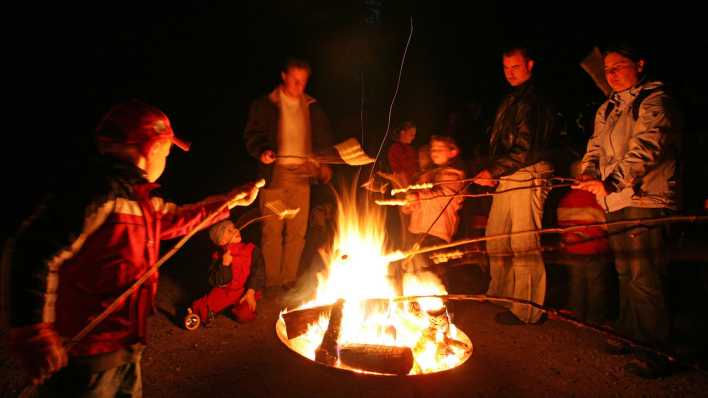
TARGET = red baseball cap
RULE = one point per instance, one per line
(135, 122)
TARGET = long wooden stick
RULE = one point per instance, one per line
(150, 272)
(318, 159)
(636, 223)
(403, 202)
(428, 185)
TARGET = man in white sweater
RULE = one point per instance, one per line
(284, 129)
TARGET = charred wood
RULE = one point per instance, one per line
(377, 358)
(327, 351)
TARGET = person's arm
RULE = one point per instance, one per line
(180, 220)
(527, 122)
(54, 234)
(590, 162)
(646, 146)
(259, 134)
(220, 269)
(447, 183)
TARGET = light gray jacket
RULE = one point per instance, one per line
(635, 147)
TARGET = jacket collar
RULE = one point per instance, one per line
(628, 95)
(131, 174)
(519, 91)
(274, 96)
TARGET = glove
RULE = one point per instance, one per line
(39, 350)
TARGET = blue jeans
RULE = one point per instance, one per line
(88, 378)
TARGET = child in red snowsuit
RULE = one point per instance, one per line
(237, 277)
(586, 252)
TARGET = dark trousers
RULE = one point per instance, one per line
(640, 260)
(589, 287)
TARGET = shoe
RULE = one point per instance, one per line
(648, 368)
(508, 318)
(614, 347)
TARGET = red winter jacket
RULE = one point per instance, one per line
(246, 270)
(86, 246)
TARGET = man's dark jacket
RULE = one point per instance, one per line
(261, 131)
(523, 131)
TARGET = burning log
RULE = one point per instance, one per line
(297, 322)
(327, 351)
(377, 358)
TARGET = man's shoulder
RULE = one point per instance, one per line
(264, 99)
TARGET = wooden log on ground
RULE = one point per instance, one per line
(377, 358)
(327, 351)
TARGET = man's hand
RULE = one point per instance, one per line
(484, 178)
(267, 157)
(245, 194)
(325, 173)
(250, 299)
(592, 185)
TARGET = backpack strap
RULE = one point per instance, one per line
(643, 94)
(640, 98)
(608, 109)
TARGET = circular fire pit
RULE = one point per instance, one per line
(373, 310)
(436, 346)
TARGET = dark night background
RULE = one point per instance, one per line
(203, 65)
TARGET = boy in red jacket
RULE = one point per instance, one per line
(92, 239)
(237, 277)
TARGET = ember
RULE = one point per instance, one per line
(355, 321)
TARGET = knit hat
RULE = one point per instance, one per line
(219, 232)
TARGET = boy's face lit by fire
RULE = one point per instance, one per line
(156, 159)
(441, 153)
(231, 235)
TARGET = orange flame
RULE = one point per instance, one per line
(357, 270)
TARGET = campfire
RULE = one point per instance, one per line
(360, 318)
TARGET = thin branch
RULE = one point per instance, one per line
(633, 223)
